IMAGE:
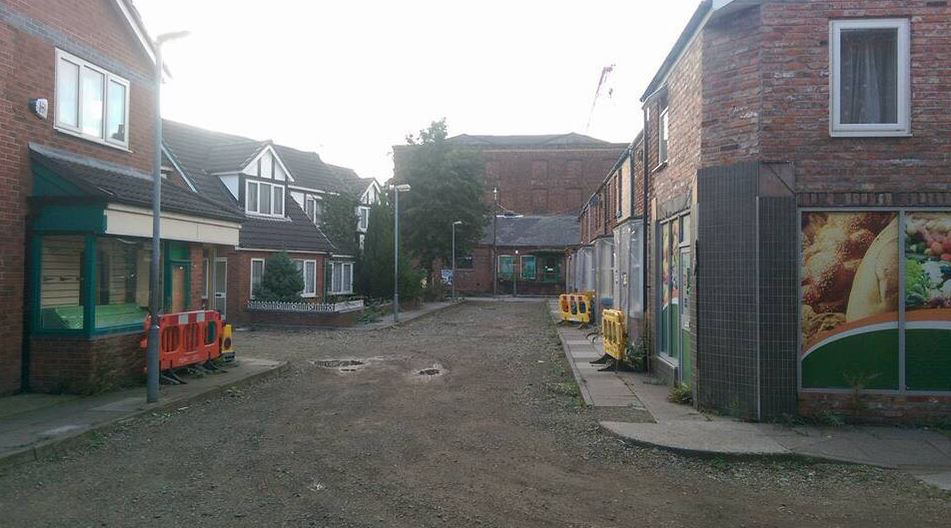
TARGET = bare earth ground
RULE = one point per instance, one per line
(498, 439)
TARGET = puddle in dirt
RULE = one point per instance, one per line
(428, 373)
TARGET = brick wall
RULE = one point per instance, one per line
(29, 33)
(84, 366)
(239, 279)
(795, 113)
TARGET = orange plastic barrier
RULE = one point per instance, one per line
(187, 338)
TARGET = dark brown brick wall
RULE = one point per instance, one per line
(878, 408)
(239, 279)
(29, 33)
(84, 366)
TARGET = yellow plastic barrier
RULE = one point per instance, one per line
(575, 307)
(227, 348)
(612, 326)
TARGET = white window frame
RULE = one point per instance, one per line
(304, 264)
(251, 275)
(207, 275)
(363, 222)
(255, 207)
(312, 214)
(346, 271)
(107, 78)
(663, 137)
(903, 126)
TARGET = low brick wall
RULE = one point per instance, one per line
(303, 319)
(878, 408)
(85, 365)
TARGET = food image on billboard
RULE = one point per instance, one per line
(927, 301)
(849, 300)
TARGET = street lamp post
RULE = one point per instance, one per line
(454, 224)
(397, 189)
(152, 352)
(495, 249)
(515, 271)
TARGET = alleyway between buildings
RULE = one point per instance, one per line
(468, 417)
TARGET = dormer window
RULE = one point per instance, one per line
(312, 208)
(264, 198)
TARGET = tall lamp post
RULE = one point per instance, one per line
(152, 352)
(495, 249)
(397, 189)
(454, 224)
(515, 271)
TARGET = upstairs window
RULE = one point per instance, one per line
(663, 133)
(91, 102)
(264, 198)
(363, 218)
(312, 208)
(871, 87)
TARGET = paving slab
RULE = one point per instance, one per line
(709, 438)
(28, 435)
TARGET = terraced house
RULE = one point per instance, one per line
(278, 192)
(798, 206)
(77, 120)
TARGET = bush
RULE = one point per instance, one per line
(435, 291)
(282, 281)
(680, 393)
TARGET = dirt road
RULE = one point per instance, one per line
(496, 438)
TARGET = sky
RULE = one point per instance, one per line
(350, 79)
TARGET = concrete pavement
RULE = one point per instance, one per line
(924, 453)
(35, 425)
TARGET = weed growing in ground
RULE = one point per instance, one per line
(680, 393)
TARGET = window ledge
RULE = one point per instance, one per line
(91, 139)
(870, 134)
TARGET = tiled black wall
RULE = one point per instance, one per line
(746, 293)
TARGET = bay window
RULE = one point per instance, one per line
(90, 101)
(869, 76)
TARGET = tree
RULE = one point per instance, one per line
(446, 187)
(282, 281)
(375, 279)
(338, 221)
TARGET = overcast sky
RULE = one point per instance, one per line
(349, 79)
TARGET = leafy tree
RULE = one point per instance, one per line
(446, 187)
(338, 221)
(282, 281)
(375, 279)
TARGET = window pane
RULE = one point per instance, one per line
(265, 200)
(92, 105)
(869, 76)
(67, 94)
(347, 278)
(122, 282)
(116, 125)
(505, 266)
(61, 282)
(337, 277)
(278, 200)
(257, 271)
(310, 208)
(310, 277)
(664, 131)
(528, 267)
(252, 197)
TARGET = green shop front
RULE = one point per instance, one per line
(88, 278)
(531, 271)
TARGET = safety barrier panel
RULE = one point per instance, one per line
(187, 338)
(612, 326)
(227, 351)
(575, 307)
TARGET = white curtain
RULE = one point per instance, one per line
(869, 70)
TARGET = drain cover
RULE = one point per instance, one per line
(429, 372)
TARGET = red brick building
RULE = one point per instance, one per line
(76, 84)
(798, 199)
(534, 176)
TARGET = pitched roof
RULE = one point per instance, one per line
(202, 153)
(555, 231)
(308, 169)
(115, 183)
(295, 233)
(549, 140)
